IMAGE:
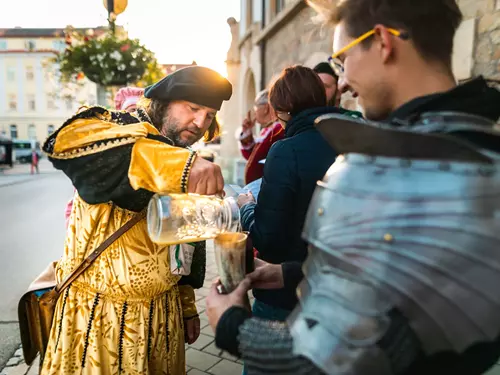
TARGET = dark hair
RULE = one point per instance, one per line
(430, 24)
(296, 89)
(156, 110)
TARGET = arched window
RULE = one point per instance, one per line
(13, 131)
(31, 131)
(50, 129)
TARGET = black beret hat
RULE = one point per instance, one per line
(324, 67)
(196, 84)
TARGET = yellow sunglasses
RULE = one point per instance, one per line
(336, 63)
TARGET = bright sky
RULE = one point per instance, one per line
(177, 31)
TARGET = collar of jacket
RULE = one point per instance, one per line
(474, 97)
(304, 120)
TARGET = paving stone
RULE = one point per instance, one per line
(35, 368)
(14, 361)
(202, 292)
(22, 369)
(18, 353)
(200, 360)
(197, 372)
(207, 330)
(203, 341)
(226, 367)
(213, 349)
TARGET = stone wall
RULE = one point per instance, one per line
(296, 42)
(486, 54)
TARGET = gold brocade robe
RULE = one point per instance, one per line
(124, 315)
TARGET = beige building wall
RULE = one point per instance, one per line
(32, 102)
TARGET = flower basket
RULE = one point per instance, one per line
(108, 59)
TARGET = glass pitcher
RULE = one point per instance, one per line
(182, 218)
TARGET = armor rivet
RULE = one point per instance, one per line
(321, 211)
(388, 237)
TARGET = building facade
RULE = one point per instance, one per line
(32, 102)
(273, 34)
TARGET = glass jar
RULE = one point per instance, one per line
(182, 218)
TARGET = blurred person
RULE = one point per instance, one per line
(127, 313)
(329, 79)
(127, 97)
(34, 162)
(255, 150)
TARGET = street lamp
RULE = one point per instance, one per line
(114, 8)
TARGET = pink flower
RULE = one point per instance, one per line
(125, 47)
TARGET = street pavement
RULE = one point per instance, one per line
(32, 235)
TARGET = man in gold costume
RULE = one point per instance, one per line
(128, 312)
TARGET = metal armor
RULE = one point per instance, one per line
(407, 220)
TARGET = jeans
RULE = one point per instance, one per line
(264, 311)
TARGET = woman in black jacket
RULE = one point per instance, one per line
(292, 168)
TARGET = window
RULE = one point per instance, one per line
(281, 4)
(3, 45)
(50, 129)
(13, 131)
(31, 102)
(12, 102)
(51, 105)
(30, 74)
(58, 45)
(31, 131)
(30, 45)
(11, 74)
(256, 11)
(246, 16)
(69, 104)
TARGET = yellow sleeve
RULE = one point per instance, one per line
(79, 137)
(156, 166)
(188, 301)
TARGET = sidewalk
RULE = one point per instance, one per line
(202, 358)
(22, 173)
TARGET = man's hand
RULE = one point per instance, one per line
(248, 122)
(217, 304)
(205, 178)
(266, 275)
(191, 330)
(245, 199)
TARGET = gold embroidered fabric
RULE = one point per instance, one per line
(124, 314)
(82, 133)
(154, 163)
(188, 301)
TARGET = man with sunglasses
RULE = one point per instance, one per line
(395, 56)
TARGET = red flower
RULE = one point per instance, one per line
(125, 47)
(86, 39)
(80, 76)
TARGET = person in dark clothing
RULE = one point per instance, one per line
(396, 57)
(330, 81)
(292, 168)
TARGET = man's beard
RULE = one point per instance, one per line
(171, 129)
